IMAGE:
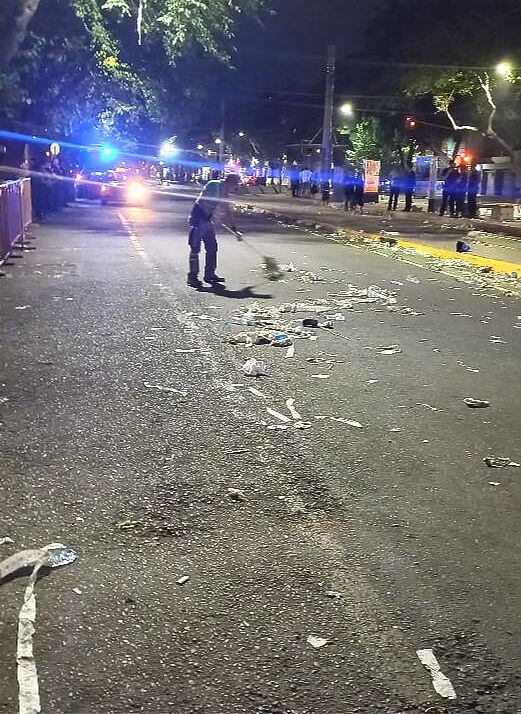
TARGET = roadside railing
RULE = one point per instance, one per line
(15, 214)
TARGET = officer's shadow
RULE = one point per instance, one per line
(242, 294)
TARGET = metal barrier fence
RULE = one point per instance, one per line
(15, 214)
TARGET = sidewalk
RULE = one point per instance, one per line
(493, 244)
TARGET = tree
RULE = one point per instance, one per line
(430, 56)
(120, 66)
(370, 139)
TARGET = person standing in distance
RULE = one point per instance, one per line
(211, 208)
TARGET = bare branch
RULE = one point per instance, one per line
(460, 127)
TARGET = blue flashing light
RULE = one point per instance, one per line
(108, 153)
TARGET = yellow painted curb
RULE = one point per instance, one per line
(498, 266)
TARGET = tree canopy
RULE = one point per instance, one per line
(113, 67)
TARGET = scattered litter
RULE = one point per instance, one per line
(462, 247)
(183, 579)
(466, 366)
(4, 400)
(395, 429)
(128, 524)
(461, 314)
(289, 268)
(294, 413)
(302, 425)
(192, 351)
(499, 462)
(210, 318)
(495, 340)
(334, 594)
(349, 422)
(278, 415)
(476, 403)
(281, 339)
(441, 683)
(494, 483)
(321, 376)
(256, 392)
(236, 494)
(251, 338)
(77, 591)
(161, 388)
(428, 406)
(336, 317)
(413, 279)
(254, 368)
(389, 350)
(53, 555)
(5, 540)
(280, 427)
(372, 381)
(316, 642)
(290, 352)
(22, 307)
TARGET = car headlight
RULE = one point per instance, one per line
(136, 190)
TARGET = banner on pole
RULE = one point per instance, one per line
(371, 176)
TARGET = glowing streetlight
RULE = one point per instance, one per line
(218, 141)
(241, 134)
(168, 149)
(347, 109)
(504, 69)
(200, 147)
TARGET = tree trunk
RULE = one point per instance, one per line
(14, 33)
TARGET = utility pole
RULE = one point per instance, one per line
(327, 127)
(222, 130)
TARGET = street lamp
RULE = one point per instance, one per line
(200, 147)
(218, 141)
(168, 149)
(504, 69)
(347, 109)
(241, 134)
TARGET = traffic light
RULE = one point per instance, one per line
(410, 122)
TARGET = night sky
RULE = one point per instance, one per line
(281, 60)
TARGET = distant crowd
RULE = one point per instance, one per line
(461, 185)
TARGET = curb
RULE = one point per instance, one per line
(495, 266)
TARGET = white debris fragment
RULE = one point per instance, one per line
(256, 392)
(278, 415)
(389, 350)
(441, 683)
(302, 425)
(495, 340)
(6, 540)
(500, 462)
(77, 591)
(320, 376)
(316, 642)
(254, 368)
(290, 352)
(236, 494)
(461, 314)
(413, 279)
(162, 388)
(294, 413)
(22, 307)
(183, 579)
(349, 422)
(476, 403)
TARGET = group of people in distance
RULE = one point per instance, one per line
(460, 190)
(402, 181)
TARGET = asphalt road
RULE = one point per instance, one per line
(400, 517)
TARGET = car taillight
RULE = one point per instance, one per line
(104, 189)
